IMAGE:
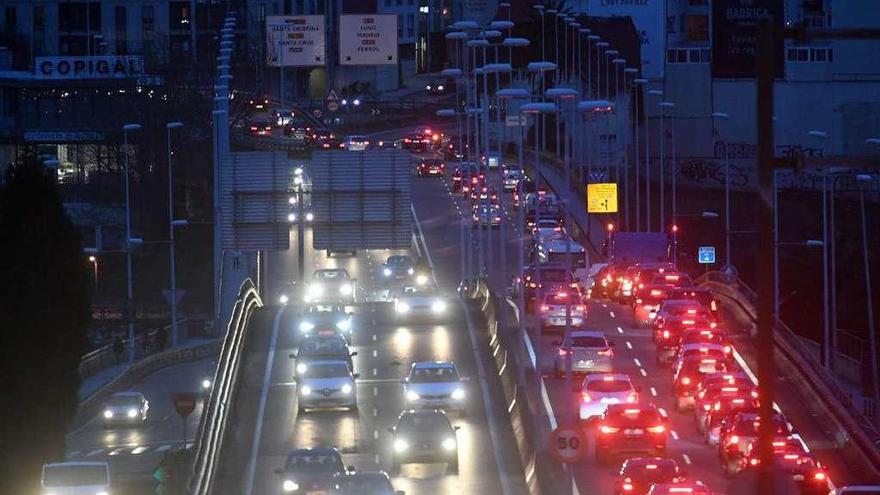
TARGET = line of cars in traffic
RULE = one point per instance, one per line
(326, 381)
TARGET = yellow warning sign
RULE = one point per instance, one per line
(602, 198)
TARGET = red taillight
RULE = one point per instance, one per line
(656, 429)
(655, 292)
(686, 380)
(544, 307)
(665, 334)
(627, 487)
(585, 396)
(607, 430)
(564, 352)
(819, 476)
(578, 308)
(734, 439)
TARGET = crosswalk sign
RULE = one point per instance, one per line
(602, 198)
(706, 255)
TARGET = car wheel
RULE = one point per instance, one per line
(453, 466)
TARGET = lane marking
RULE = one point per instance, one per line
(163, 448)
(687, 459)
(638, 363)
(375, 372)
(620, 330)
(375, 434)
(612, 314)
(94, 452)
(674, 434)
(654, 391)
(139, 450)
(643, 372)
(629, 345)
(261, 411)
(375, 353)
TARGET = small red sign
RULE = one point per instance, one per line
(184, 404)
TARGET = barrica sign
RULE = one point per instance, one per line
(109, 67)
(368, 39)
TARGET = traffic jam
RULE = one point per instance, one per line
(558, 287)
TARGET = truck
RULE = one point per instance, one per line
(628, 248)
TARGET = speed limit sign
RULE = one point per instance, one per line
(567, 444)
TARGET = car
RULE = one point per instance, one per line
(435, 385)
(604, 282)
(637, 474)
(311, 470)
(549, 277)
(325, 320)
(635, 277)
(679, 488)
(327, 383)
(416, 143)
(599, 390)
(630, 429)
(258, 104)
(510, 178)
(415, 302)
(483, 190)
(322, 348)
(714, 351)
(562, 309)
(674, 314)
(125, 408)
(331, 285)
(590, 352)
(687, 375)
(75, 478)
(398, 267)
(465, 175)
(856, 490)
(440, 86)
(487, 215)
(647, 303)
(547, 225)
(424, 436)
(260, 128)
(704, 297)
(431, 167)
(492, 161)
(357, 143)
(364, 483)
(739, 432)
(718, 393)
(790, 456)
(562, 250)
(722, 412)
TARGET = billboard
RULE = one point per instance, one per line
(73, 67)
(295, 41)
(735, 36)
(368, 39)
(648, 16)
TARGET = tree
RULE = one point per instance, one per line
(44, 313)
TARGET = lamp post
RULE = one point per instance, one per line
(540, 68)
(94, 261)
(869, 296)
(592, 107)
(663, 106)
(580, 68)
(565, 97)
(555, 14)
(540, 9)
(609, 55)
(171, 224)
(727, 256)
(594, 40)
(675, 229)
(639, 81)
(599, 46)
(826, 313)
(128, 241)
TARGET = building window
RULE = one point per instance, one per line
(148, 18)
(697, 27)
(119, 16)
(410, 25)
(687, 56)
(807, 54)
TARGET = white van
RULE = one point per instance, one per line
(559, 250)
(76, 478)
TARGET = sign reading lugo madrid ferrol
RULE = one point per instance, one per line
(368, 39)
(72, 67)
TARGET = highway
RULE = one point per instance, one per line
(268, 426)
(133, 453)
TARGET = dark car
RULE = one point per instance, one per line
(431, 167)
(440, 86)
(627, 429)
(325, 320)
(465, 176)
(365, 483)
(322, 348)
(638, 474)
(260, 128)
(398, 267)
(311, 470)
(424, 436)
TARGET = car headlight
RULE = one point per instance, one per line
(411, 396)
(458, 394)
(291, 217)
(448, 443)
(438, 306)
(345, 289)
(206, 384)
(108, 414)
(401, 307)
(283, 299)
(410, 271)
(346, 389)
(306, 326)
(310, 216)
(421, 279)
(301, 368)
(386, 272)
(440, 88)
(132, 413)
(306, 390)
(400, 445)
(289, 486)
(344, 325)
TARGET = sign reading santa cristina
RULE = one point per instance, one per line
(72, 67)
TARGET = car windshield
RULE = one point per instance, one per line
(75, 475)
(654, 471)
(423, 422)
(433, 375)
(331, 275)
(608, 386)
(308, 463)
(327, 370)
(124, 400)
(587, 341)
(398, 261)
(578, 259)
(634, 417)
(322, 346)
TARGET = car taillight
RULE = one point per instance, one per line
(656, 429)
(606, 352)
(564, 352)
(819, 476)
(706, 407)
(753, 461)
(655, 292)
(578, 308)
(665, 334)
(734, 439)
(727, 349)
(533, 285)
(544, 307)
(586, 397)
(686, 380)
(607, 430)
(632, 398)
(627, 487)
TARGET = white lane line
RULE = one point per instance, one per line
(375, 372)
(71, 455)
(116, 451)
(375, 412)
(374, 337)
(629, 345)
(654, 391)
(163, 448)
(687, 459)
(673, 434)
(139, 450)
(94, 452)
(638, 363)
(643, 372)
(375, 434)
(376, 458)
(261, 411)
(663, 412)
(612, 314)
(604, 305)
(375, 353)
(620, 330)
(375, 391)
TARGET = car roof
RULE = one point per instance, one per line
(643, 461)
(427, 365)
(586, 333)
(599, 377)
(339, 362)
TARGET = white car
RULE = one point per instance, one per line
(511, 178)
(419, 302)
(558, 307)
(76, 478)
(330, 285)
(327, 384)
(434, 385)
(597, 391)
(590, 352)
(125, 408)
(326, 320)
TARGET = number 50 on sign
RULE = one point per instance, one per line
(567, 444)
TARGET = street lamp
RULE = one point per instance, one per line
(565, 96)
(94, 261)
(663, 106)
(638, 81)
(609, 55)
(171, 224)
(826, 313)
(872, 344)
(727, 266)
(128, 240)
(658, 93)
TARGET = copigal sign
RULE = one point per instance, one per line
(105, 67)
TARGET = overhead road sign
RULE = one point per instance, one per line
(295, 41)
(368, 39)
(602, 198)
(706, 255)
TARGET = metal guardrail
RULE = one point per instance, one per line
(212, 427)
(857, 426)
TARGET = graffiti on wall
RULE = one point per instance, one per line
(711, 173)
